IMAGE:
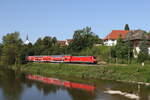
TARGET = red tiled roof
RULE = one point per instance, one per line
(114, 35)
(69, 40)
(62, 43)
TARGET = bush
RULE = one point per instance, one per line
(100, 52)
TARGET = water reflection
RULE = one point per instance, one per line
(10, 85)
(15, 86)
(59, 82)
(58, 88)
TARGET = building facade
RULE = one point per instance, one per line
(64, 42)
(111, 39)
(135, 38)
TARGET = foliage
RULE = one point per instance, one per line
(45, 46)
(100, 52)
(12, 47)
(1, 46)
(82, 39)
(113, 52)
(143, 55)
(130, 49)
(122, 50)
(126, 27)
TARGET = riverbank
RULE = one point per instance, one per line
(127, 73)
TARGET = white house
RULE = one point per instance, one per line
(111, 38)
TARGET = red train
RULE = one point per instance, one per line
(61, 58)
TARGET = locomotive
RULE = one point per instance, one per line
(62, 58)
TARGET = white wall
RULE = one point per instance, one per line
(136, 51)
(149, 50)
(110, 42)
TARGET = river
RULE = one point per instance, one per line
(19, 86)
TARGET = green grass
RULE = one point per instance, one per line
(111, 72)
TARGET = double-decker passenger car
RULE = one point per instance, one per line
(62, 58)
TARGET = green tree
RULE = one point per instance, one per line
(38, 47)
(143, 54)
(130, 48)
(1, 46)
(27, 50)
(54, 41)
(46, 46)
(121, 49)
(82, 39)
(126, 27)
(12, 47)
(113, 51)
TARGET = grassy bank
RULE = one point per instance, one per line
(112, 72)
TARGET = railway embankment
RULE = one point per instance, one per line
(127, 73)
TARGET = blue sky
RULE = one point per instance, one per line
(60, 18)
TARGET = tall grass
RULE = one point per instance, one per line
(114, 72)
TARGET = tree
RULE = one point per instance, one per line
(143, 54)
(12, 47)
(129, 47)
(54, 41)
(38, 48)
(126, 27)
(82, 39)
(1, 46)
(121, 49)
(46, 46)
(27, 50)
